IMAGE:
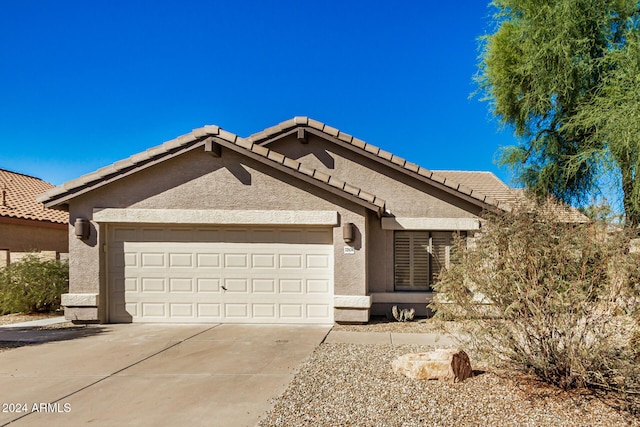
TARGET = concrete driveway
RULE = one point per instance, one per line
(160, 375)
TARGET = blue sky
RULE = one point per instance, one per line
(87, 83)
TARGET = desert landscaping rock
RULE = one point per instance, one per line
(446, 364)
(354, 385)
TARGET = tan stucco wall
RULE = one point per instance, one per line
(33, 236)
(405, 197)
(197, 180)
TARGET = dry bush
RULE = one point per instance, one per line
(559, 300)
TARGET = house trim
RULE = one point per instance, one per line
(79, 300)
(218, 217)
(436, 224)
(352, 301)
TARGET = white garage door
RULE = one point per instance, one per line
(230, 275)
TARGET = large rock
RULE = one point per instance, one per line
(443, 364)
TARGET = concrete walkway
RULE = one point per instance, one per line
(35, 323)
(391, 338)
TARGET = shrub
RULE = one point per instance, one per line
(33, 285)
(558, 300)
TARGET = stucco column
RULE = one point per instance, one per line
(351, 302)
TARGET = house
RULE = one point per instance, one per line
(298, 223)
(25, 225)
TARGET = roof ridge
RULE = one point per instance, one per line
(23, 174)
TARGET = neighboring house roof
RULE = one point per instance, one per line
(18, 198)
(491, 185)
(485, 182)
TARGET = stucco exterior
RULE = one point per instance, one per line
(197, 181)
(297, 166)
(31, 236)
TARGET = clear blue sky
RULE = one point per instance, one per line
(87, 83)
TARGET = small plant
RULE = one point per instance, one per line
(403, 314)
(33, 285)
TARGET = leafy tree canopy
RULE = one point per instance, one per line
(565, 74)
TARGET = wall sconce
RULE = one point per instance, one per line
(82, 228)
(349, 232)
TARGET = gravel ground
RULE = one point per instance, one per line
(353, 385)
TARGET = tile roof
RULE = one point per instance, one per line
(491, 185)
(483, 187)
(57, 196)
(18, 198)
(484, 182)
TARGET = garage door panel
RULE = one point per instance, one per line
(290, 261)
(181, 285)
(264, 311)
(208, 285)
(209, 311)
(318, 311)
(318, 261)
(250, 275)
(291, 286)
(128, 309)
(153, 309)
(180, 260)
(263, 261)
(236, 260)
(128, 285)
(153, 284)
(318, 286)
(152, 259)
(181, 310)
(237, 311)
(130, 260)
(236, 285)
(263, 286)
(291, 311)
(208, 260)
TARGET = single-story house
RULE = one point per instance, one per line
(298, 223)
(25, 225)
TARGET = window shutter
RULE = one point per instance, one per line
(402, 259)
(411, 260)
(420, 260)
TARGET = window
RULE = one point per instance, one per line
(419, 257)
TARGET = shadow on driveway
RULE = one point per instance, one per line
(19, 337)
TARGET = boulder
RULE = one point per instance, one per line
(447, 364)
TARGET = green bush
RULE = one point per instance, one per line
(33, 285)
(558, 300)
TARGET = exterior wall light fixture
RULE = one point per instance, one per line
(82, 228)
(349, 232)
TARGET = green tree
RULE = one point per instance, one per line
(564, 75)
